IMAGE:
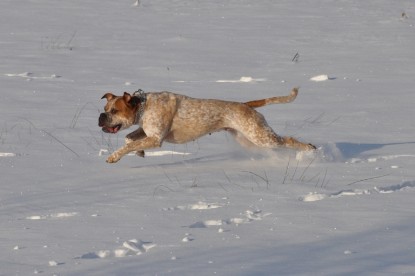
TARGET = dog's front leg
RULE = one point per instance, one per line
(137, 145)
(136, 135)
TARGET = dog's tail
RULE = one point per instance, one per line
(274, 100)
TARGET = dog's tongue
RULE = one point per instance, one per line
(112, 129)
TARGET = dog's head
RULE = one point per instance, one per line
(120, 112)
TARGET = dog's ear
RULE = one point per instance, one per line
(131, 100)
(108, 96)
(127, 97)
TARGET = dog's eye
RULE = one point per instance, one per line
(114, 111)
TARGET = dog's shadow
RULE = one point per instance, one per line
(211, 158)
(353, 150)
(339, 151)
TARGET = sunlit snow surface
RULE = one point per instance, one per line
(208, 207)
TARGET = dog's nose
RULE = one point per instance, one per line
(102, 119)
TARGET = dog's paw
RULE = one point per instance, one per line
(113, 158)
(311, 147)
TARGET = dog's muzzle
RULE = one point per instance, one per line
(102, 119)
(103, 122)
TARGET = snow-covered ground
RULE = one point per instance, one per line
(208, 207)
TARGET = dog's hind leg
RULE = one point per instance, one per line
(254, 130)
(265, 137)
(291, 142)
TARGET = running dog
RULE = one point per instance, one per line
(174, 118)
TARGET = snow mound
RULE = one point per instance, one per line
(242, 80)
(7, 154)
(52, 216)
(197, 206)
(30, 76)
(132, 247)
(321, 78)
(311, 197)
(103, 152)
(248, 216)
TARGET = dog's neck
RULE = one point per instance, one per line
(142, 97)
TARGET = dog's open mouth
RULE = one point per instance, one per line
(113, 129)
